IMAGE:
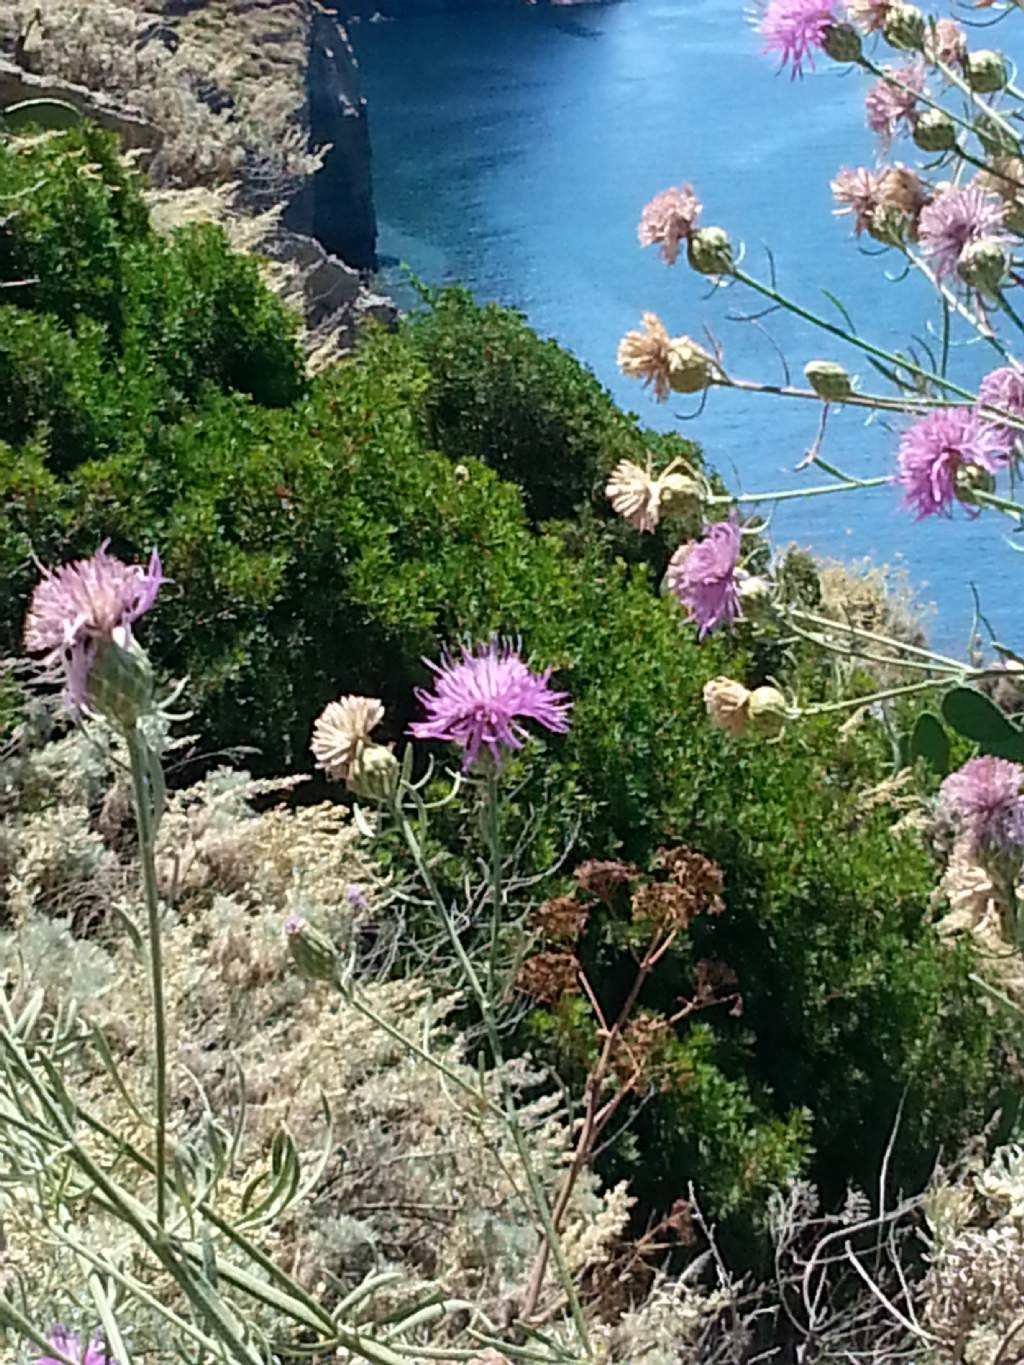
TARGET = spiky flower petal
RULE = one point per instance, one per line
(480, 700)
(669, 219)
(1004, 389)
(77, 609)
(70, 1344)
(793, 30)
(891, 103)
(936, 447)
(955, 219)
(704, 576)
(984, 796)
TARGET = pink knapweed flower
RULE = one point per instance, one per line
(955, 219)
(669, 219)
(704, 576)
(937, 446)
(71, 1345)
(1004, 389)
(480, 700)
(892, 107)
(857, 191)
(81, 606)
(795, 29)
(984, 796)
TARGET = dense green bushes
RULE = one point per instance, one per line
(318, 541)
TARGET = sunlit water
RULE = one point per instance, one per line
(513, 150)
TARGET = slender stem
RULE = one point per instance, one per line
(852, 703)
(1013, 509)
(139, 762)
(853, 400)
(890, 358)
(956, 79)
(492, 817)
(511, 1116)
(788, 494)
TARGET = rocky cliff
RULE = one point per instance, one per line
(336, 204)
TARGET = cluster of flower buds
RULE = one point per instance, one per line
(742, 712)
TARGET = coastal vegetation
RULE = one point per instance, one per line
(464, 894)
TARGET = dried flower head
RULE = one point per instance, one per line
(869, 15)
(936, 448)
(703, 575)
(342, 732)
(698, 875)
(946, 43)
(726, 703)
(857, 191)
(602, 877)
(634, 495)
(479, 700)
(1004, 389)
(646, 355)
(83, 606)
(548, 977)
(984, 796)
(70, 1344)
(665, 906)
(891, 103)
(634, 1055)
(794, 30)
(561, 919)
(669, 219)
(955, 219)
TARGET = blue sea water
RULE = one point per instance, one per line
(513, 150)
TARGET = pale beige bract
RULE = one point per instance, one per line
(342, 731)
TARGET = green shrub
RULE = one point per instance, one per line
(324, 546)
(499, 393)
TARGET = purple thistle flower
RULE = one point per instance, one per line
(955, 219)
(83, 605)
(794, 29)
(1004, 389)
(937, 446)
(356, 897)
(670, 218)
(890, 107)
(479, 700)
(70, 1344)
(704, 576)
(984, 796)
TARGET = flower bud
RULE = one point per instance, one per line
(690, 368)
(755, 595)
(312, 952)
(374, 773)
(726, 703)
(971, 479)
(905, 28)
(889, 224)
(121, 681)
(460, 473)
(842, 43)
(995, 137)
(986, 71)
(767, 711)
(934, 131)
(680, 496)
(709, 251)
(828, 380)
(983, 265)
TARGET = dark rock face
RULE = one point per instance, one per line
(336, 207)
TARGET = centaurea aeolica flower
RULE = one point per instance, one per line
(1004, 389)
(795, 29)
(936, 448)
(704, 576)
(70, 1344)
(479, 701)
(956, 219)
(81, 610)
(984, 797)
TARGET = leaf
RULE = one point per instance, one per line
(929, 741)
(51, 114)
(975, 717)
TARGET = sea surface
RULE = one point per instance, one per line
(513, 151)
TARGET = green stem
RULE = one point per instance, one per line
(1013, 509)
(890, 358)
(494, 848)
(511, 1116)
(139, 761)
(788, 494)
(956, 79)
(852, 400)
